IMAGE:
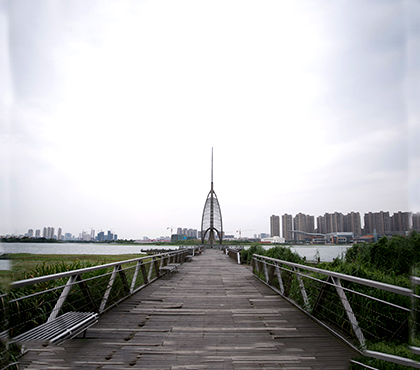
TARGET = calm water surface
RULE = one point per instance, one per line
(75, 248)
(326, 252)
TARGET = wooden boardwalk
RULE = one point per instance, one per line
(212, 314)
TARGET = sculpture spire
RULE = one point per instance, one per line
(211, 222)
(211, 168)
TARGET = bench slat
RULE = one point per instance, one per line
(62, 327)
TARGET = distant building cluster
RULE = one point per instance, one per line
(49, 233)
(343, 227)
(185, 234)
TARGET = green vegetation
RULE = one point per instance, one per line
(27, 239)
(278, 252)
(386, 328)
(21, 311)
(392, 256)
(24, 265)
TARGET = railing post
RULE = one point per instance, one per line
(152, 262)
(349, 311)
(256, 265)
(108, 289)
(162, 262)
(278, 273)
(144, 273)
(136, 272)
(302, 289)
(265, 271)
(62, 298)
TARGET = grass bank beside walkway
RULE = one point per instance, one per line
(24, 264)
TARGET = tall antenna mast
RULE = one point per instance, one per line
(211, 168)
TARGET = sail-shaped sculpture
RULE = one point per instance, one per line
(211, 222)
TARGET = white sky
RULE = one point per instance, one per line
(109, 110)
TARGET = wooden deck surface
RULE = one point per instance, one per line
(211, 314)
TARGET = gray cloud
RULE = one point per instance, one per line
(98, 151)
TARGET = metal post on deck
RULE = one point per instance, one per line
(62, 298)
(349, 311)
(136, 272)
(108, 289)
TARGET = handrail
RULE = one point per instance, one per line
(234, 253)
(41, 279)
(354, 279)
(85, 290)
(352, 309)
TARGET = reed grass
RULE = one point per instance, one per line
(386, 328)
(24, 264)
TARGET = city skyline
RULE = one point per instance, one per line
(111, 109)
(376, 224)
(48, 232)
(356, 222)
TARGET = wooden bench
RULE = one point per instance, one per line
(63, 327)
(169, 268)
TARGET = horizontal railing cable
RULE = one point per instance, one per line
(361, 311)
(96, 289)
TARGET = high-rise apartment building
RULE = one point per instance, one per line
(189, 233)
(320, 225)
(401, 221)
(352, 223)
(416, 221)
(48, 232)
(287, 227)
(310, 224)
(334, 222)
(337, 222)
(304, 223)
(377, 221)
(37, 233)
(101, 236)
(274, 225)
(59, 234)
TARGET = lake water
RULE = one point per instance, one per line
(75, 248)
(326, 252)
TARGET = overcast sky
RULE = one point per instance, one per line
(109, 110)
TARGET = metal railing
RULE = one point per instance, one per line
(234, 253)
(33, 302)
(361, 312)
(4, 351)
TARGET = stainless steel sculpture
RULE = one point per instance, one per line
(211, 222)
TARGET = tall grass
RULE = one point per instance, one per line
(391, 261)
(24, 314)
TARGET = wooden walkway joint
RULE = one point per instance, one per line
(212, 314)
